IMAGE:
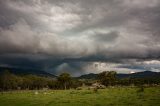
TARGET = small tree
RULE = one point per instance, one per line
(107, 77)
(64, 79)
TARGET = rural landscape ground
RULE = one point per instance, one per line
(123, 96)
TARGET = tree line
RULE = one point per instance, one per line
(108, 78)
(9, 81)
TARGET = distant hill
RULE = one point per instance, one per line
(26, 71)
(145, 74)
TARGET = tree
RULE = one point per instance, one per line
(107, 77)
(64, 79)
(9, 81)
(34, 82)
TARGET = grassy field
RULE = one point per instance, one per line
(105, 97)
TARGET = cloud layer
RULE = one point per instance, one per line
(79, 31)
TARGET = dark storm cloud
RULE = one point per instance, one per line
(79, 31)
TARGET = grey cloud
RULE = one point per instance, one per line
(17, 38)
(81, 30)
(20, 38)
(106, 37)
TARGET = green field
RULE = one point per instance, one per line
(105, 97)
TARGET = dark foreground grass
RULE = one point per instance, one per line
(106, 97)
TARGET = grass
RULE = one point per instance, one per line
(105, 97)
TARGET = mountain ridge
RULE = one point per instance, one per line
(144, 74)
(27, 71)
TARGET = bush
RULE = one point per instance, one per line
(79, 88)
(95, 90)
(140, 89)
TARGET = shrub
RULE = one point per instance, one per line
(95, 90)
(79, 88)
(140, 89)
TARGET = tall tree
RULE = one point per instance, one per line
(107, 77)
(64, 79)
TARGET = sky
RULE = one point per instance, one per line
(80, 36)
